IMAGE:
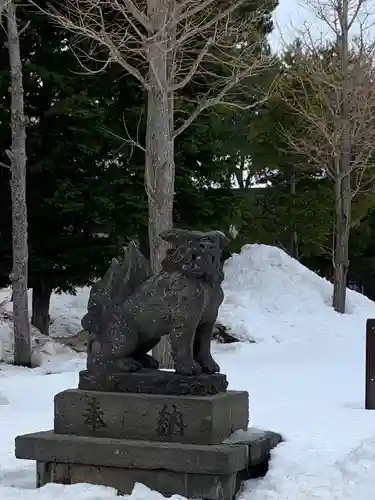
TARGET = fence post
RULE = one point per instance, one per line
(370, 365)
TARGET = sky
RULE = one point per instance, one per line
(289, 15)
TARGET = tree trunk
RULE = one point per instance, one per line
(239, 172)
(294, 247)
(341, 250)
(159, 151)
(343, 174)
(17, 155)
(40, 306)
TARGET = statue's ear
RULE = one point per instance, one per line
(219, 236)
(224, 241)
(173, 236)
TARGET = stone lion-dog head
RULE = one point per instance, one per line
(195, 254)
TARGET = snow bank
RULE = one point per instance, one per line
(66, 310)
(348, 479)
(270, 297)
(66, 315)
(59, 492)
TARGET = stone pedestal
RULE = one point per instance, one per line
(182, 419)
(195, 446)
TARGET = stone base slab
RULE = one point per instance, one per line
(259, 443)
(207, 472)
(121, 453)
(205, 420)
(154, 382)
(190, 485)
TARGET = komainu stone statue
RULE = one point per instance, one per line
(130, 309)
(178, 433)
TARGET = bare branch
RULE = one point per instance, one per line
(129, 20)
(116, 54)
(208, 102)
(24, 29)
(137, 14)
(2, 6)
(200, 28)
(194, 67)
(183, 12)
(89, 71)
(133, 143)
(356, 12)
(91, 26)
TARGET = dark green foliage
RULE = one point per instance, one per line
(271, 215)
(81, 182)
(362, 248)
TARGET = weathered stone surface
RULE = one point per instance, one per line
(130, 310)
(183, 419)
(43, 474)
(259, 443)
(206, 486)
(154, 382)
(176, 457)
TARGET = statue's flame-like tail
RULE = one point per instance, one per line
(124, 276)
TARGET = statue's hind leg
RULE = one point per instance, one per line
(123, 340)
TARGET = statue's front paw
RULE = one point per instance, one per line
(188, 368)
(209, 365)
(149, 362)
(127, 365)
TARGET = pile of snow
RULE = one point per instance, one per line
(66, 310)
(65, 322)
(270, 297)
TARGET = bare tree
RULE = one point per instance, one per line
(166, 45)
(17, 157)
(332, 91)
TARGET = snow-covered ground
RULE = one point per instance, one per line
(305, 376)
